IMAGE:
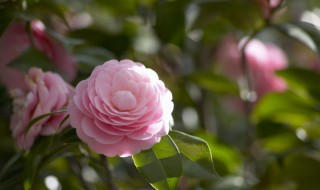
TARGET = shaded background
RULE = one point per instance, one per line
(272, 143)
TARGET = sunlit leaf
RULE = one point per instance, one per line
(196, 156)
(285, 106)
(302, 79)
(226, 158)
(297, 33)
(281, 142)
(161, 165)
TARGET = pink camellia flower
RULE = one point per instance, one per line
(263, 60)
(121, 109)
(45, 92)
(16, 39)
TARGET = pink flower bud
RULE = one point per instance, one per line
(16, 40)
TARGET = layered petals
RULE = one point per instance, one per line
(121, 109)
(45, 92)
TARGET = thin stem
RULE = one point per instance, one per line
(108, 177)
(247, 92)
(77, 170)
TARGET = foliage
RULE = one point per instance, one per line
(220, 140)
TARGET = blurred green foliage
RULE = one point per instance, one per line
(274, 145)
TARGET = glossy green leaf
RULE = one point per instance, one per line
(42, 8)
(226, 158)
(36, 119)
(46, 150)
(297, 33)
(281, 142)
(214, 82)
(312, 30)
(161, 165)
(168, 27)
(196, 156)
(33, 58)
(31, 169)
(10, 163)
(285, 107)
(64, 120)
(88, 58)
(302, 79)
(243, 15)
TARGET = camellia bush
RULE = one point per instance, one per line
(160, 94)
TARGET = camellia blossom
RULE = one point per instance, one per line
(263, 60)
(16, 39)
(121, 109)
(45, 92)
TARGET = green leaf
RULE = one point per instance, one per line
(43, 8)
(171, 29)
(90, 57)
(10, 163)
(33, 58)
(244, 15)
(214, 82)
(31, 169)
(63, 121)
(36, 119)
(312, 30)
(46, 150)
(285, 107)
(302, 79)
(297, 33)
(196, 156)
(161, 165)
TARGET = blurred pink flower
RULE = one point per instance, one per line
(16, 40)
(121, 109)
(263, 59)
(45, 92)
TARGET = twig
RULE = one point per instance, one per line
(108, 178)
(77, 169)
(250, 163)
(247, 86)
